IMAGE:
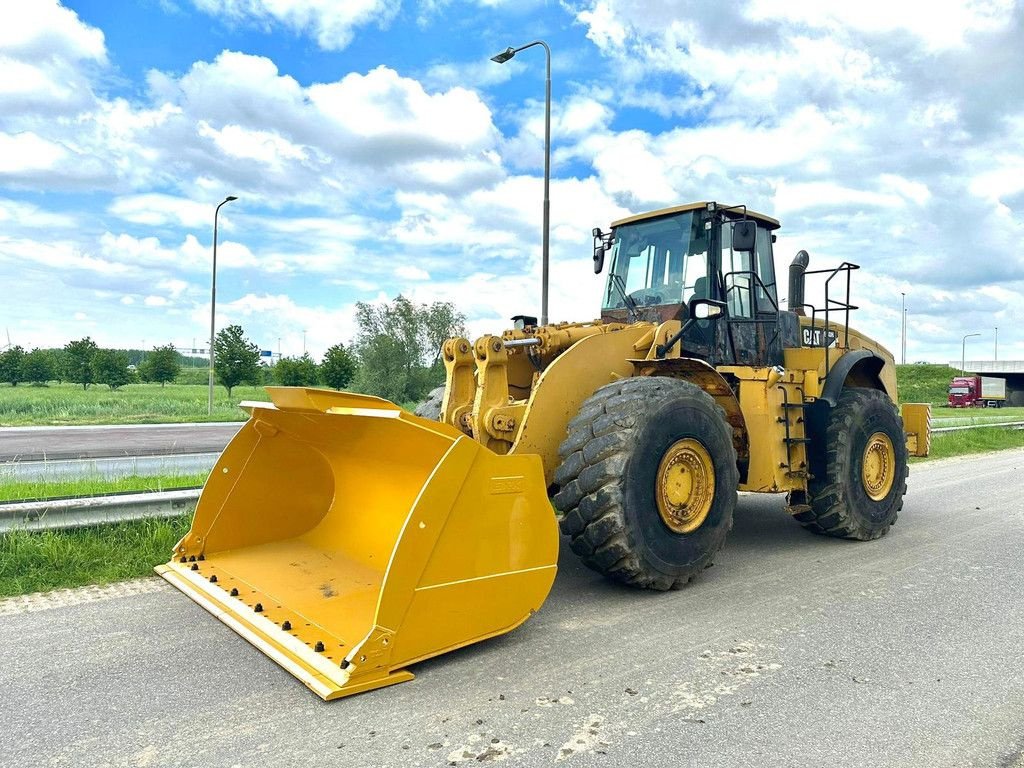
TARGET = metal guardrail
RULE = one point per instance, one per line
(961, 427)
(52, 514)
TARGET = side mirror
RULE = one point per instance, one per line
(600, 247)
(705, 309)
(743, 233)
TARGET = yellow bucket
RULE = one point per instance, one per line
(346, 539)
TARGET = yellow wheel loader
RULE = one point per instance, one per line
(348, 539)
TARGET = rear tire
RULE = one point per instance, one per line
(648, 481)
(431, 407)
(866, 471)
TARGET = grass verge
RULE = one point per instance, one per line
(23, 490)
(946, 444)
(69, 404)
(44, 560)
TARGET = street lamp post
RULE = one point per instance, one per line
(213, 297)
(963, 353)
(501, 58)
(904, 336)
(903, 331)
(995, 348)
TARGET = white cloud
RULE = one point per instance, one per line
(155, 301)
(23, 153)
(269, 317)
(409, 272)
(19, 215)
(156, 210)
(45, 52)
(332, 23)
(938, 23)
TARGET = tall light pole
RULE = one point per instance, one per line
(963, 353)
(903, 331)
(213, 297)
(501, 58)
(995, 349)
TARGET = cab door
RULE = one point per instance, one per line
(749, 334)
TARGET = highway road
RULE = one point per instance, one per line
(58, 443)
(794, 650)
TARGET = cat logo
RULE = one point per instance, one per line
(812, 337)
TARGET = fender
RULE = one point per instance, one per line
(711, 381)
(862, 359)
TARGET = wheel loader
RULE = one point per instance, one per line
(348, 539)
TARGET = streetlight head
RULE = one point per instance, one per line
(504, 56)
(229, 198)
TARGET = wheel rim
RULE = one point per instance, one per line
(878, 470)
(685, 486)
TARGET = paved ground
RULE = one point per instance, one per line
(46, 443)
(794, 650)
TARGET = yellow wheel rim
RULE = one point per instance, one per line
(685, 486)
(879, 467)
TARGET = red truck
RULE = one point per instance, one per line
(977, 391)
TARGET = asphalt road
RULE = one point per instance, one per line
(794, 650)
(49, 443)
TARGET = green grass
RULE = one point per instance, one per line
(946, 444)
(61, 404)
(45, 560)
(924, 383)
(19, 490)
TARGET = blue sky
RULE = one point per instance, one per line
(375, 150)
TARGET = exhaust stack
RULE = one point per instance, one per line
(796, 282)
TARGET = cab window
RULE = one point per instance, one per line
(743, 294)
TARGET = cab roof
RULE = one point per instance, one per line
(766, 220)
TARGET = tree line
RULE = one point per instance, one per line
(395, 355)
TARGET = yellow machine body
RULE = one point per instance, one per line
(347, 539)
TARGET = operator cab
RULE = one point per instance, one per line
(660, 261)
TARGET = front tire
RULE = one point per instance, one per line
(866, 467)
(648, 481)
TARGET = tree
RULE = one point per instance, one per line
(338, 368)
(296, 371)
(162, 364)
(110, 367)
(40, 366)
(12, 365)
(78, 361)
(236, 359)
(399, 345)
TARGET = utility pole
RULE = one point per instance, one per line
(995, 351)
(303, 341)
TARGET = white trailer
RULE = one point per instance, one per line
(993, 391)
